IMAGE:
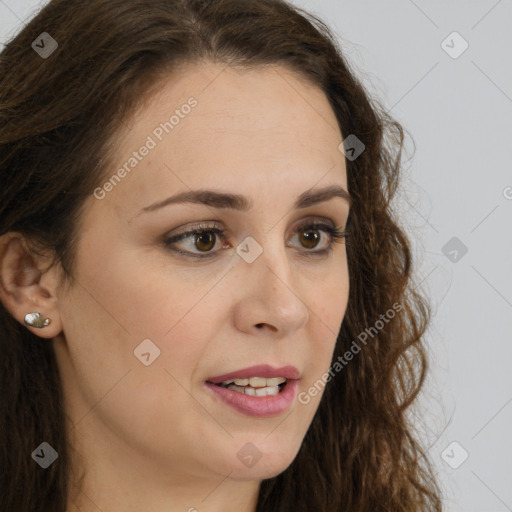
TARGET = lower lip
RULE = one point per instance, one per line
(261, 406)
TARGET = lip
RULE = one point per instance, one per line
(260, 406)
(259, 370)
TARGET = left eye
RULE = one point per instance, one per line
(205, 239)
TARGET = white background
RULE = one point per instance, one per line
(458, 114)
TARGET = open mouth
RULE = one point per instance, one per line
(261, 397)
(255, 386)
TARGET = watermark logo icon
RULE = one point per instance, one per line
(45, 455)
(351, 147)
(454, 455)
(147, 352)
(44, 45)
(454, 45)
(249, 455)
(249, 249)
(454, 249)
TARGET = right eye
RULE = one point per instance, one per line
(202, 238)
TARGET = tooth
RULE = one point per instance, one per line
(272, 390)
(236, 388)
(275, 381)
(265, 391)
(255, 382)
(258, 382)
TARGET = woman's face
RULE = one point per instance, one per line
(145, 327)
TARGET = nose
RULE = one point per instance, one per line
(270, 295)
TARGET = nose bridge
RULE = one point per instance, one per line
(269, 258)
(270, 290)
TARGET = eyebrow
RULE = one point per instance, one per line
(229, 201)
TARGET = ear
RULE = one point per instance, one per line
(25, 285)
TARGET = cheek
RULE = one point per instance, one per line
(114, 310)
(328, 302)
(104, 326)
(145, 300)
(327, 311)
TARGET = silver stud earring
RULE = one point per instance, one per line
(36, 320)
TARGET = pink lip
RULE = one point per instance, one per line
(262, 406)
(260, 370)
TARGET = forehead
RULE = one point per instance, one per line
(251, 129)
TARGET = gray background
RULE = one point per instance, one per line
(457, 110)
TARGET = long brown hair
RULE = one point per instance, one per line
(58, 118)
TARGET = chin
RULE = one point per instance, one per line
(252, 465)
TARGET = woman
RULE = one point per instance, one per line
(183, 326)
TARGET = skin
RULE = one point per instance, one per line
(152, 437)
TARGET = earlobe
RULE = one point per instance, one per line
(27, 292)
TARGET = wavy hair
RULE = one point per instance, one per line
(58, 118)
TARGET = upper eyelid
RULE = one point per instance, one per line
(207, 225)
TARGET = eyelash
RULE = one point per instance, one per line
(336, 235)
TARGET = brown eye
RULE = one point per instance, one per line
(205, 241)
(319, 234)
(311, 238)
(200, 241)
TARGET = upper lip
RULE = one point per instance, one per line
(259, 370)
